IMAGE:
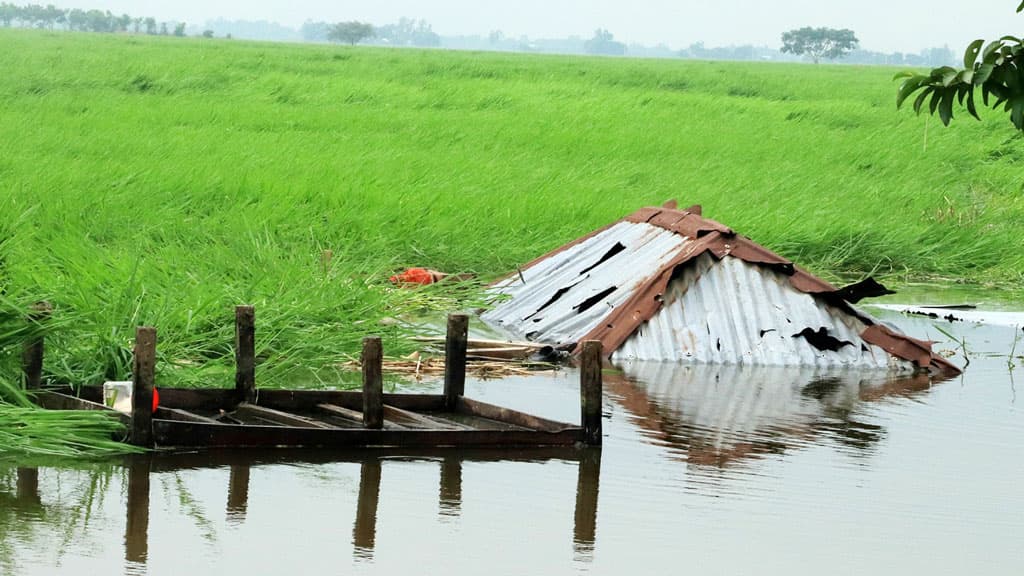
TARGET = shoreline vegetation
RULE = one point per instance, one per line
(160, 181)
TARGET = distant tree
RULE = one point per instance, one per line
(151, 25)
(604, 43)
(818, 43)
(350, 32)
(8, 13)
(315, 31)
(999, 74)
(179, 29)
(207, 33)
(163, 29)
(408, 32)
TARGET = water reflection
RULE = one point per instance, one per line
(139, 471)
(719, 416)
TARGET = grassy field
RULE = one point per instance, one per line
(161, 181)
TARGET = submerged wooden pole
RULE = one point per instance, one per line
(136, 531)
(590, 392)
(364, 531)
(32, 355)
(143, 376)
(245, 353)
(373, 383)
(455, 343)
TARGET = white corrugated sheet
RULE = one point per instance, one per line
(646, 249)
(733, 312)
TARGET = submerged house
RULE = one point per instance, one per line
(667, 284)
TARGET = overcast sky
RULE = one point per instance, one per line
(881, 25)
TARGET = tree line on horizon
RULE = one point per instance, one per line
(50, 17)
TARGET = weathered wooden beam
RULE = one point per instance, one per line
(341, 412)
(472, 407)
(455, 359)
(32, 354)
(420, 420)
(278, 417)
(57, 401)
(182, 415)
(590, 392)
(245, 353)
(373, 383)
(143, 377)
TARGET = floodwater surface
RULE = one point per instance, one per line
(708, 470)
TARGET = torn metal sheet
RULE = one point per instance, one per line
(667, 284)
(733, 312)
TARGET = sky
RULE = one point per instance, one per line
(881, 25)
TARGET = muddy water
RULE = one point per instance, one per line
(705, 470)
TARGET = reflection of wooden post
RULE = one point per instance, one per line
(590, 392)
(585, 522)
(451, 485)
(143, 376)
(238, 493)
(373, 383)
(245, 353)
(28, 486)
(455, 359)
(136, 532)
(32, 354)
(364, 533)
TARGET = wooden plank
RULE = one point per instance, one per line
(471, 407)
(341, 412)
(57, 401)
(455, 359)
(182, 415)
(245, 353)
(590, 392)
(421, 420)
(283, 418)
(373, 382)
(193, 434)
(306, 400)
(143, 377)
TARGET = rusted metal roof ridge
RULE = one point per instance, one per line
(710, 236)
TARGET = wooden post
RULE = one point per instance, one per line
(451, 485)
(28, 486)
(245, 353)
(32, 354)
(455, 359)
(143, 377)
(373, 383)
(590, 392)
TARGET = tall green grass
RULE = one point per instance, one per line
(162, 181)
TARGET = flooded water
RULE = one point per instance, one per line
(710, 470)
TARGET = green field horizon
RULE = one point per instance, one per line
(161, 181)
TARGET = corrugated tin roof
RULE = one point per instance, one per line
(643, 286)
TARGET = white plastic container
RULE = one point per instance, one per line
(118, 395)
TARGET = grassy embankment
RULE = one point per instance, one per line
(161, 181)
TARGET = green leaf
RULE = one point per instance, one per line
(948, 75)
(934, 102)
(1020, 8)
(904, 74)
(965, 76)
(908, 87)
(991, 52)
(1011, 39)
(982, 74)
(972, 52)
(970, 105)
(946, 107)
(1017, 115)
(920, 98)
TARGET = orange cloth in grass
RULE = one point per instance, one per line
(421, 276)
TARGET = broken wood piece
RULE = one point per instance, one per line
(421, 421)
(278, 417)
(341, 412)
(183, 416)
